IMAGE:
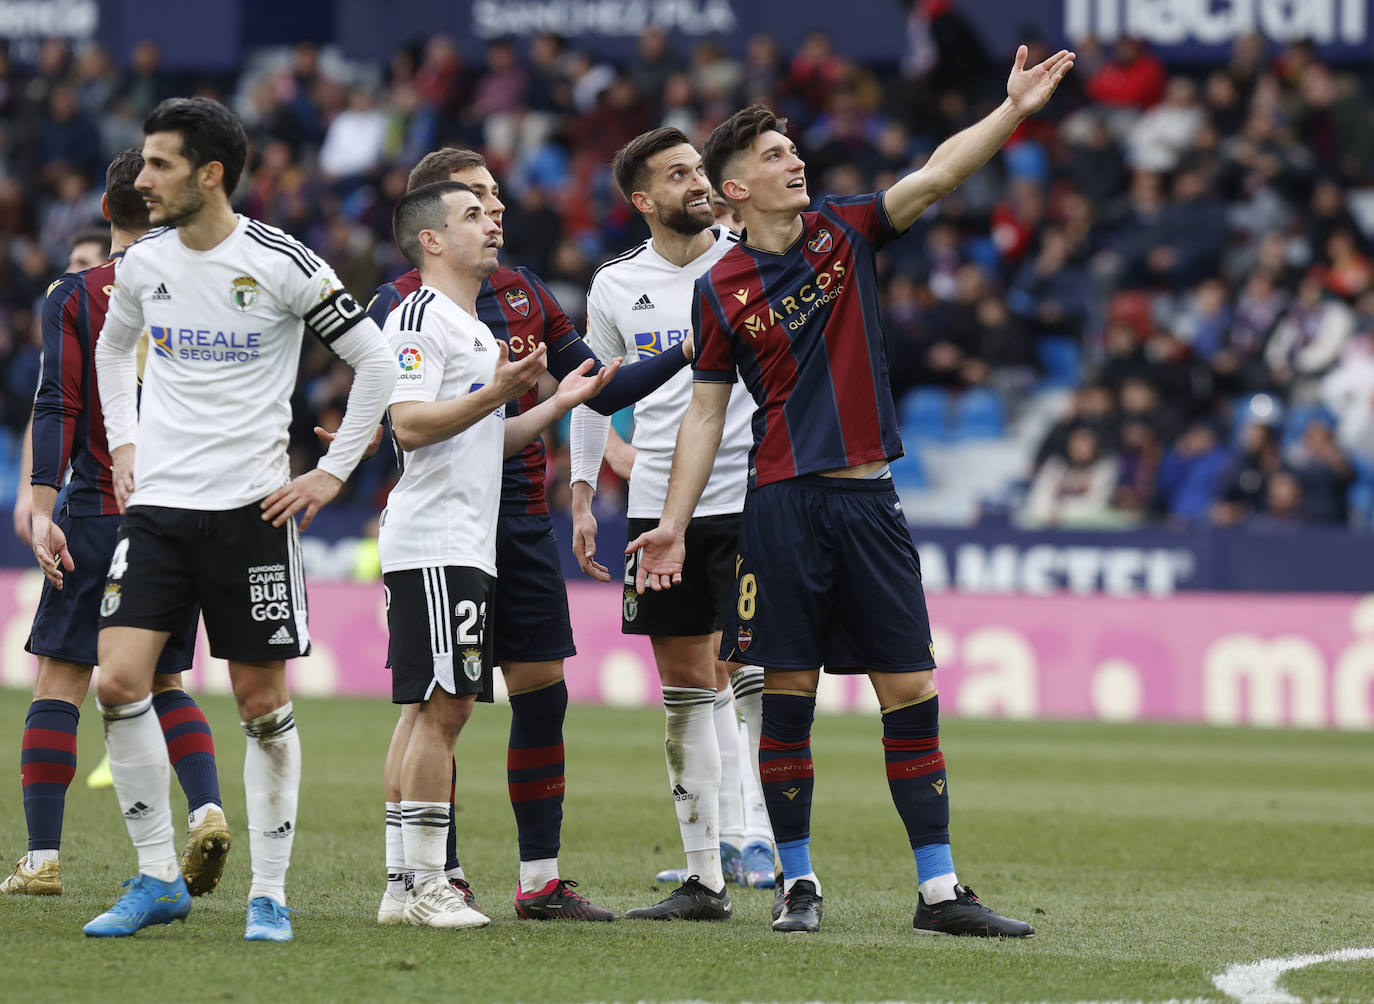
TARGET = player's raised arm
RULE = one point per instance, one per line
(964, 152)
(574, 389)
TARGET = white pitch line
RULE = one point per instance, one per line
(1258, 982)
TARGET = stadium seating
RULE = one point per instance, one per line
(924, 414)
(1061, 357)
(980, 414)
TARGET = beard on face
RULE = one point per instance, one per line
(177, 213)
(682, 221)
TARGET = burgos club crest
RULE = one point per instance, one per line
(472, 663)
(244, 293)
(631, 606)
(519, 302)
(821, 243)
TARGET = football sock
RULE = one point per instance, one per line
(423, 829)
(451, 865)
(809, 876)
(916, 778)
(747, 683)
(271, 788)
(190, 747)
(788, 775)
(731, 793)
(534, 770)
(47, 763)
(395, 852)
(694, 778)
(138, 765)
(536, 875)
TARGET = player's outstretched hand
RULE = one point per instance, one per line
(584, 544)
(50, 548)
(514, 378)
(305, 495)
(660, 565)
(577, 387)
(1030, 89)
(122, 474)
(326, 437)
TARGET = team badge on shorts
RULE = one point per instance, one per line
(821, 243)
(631, 605)
(109, 603)
(244, 293)
(519, 302)
(472, 663)
(745, 638)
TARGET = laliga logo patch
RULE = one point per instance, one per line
(745, 638)
(821, 243)
(519, 302)
(411, 363)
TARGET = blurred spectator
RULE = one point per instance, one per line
(1134, 78)
(1309, 338)
(1283, 503)
(1323, 472)
(1190, 473)
(1333, 122)
(1093, 407)
(1348, 391)
(1159, 139)
(1245, 483)
(354, 142)
(1140, 455)
(1075, 489)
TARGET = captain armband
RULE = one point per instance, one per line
(336, 314)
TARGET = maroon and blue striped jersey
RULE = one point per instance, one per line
(68, 426)
(804, 330)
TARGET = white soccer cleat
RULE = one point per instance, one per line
(392, 911)
(440, 905)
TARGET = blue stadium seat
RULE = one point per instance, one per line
(1062, 358)
(924, 414)
(909, 472)
(1361, 495)
(1300, 417)
(1255, 408)
(981, 415)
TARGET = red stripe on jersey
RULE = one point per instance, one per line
(48, 739)
(851, 368)
(528, 759)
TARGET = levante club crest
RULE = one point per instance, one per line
(519, 302)
(821, 243)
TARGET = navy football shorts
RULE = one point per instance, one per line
(828, 576)
(531, 623)
(67, 623)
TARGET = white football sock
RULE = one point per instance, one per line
(535, 875)
(809, 877)
(271, 788)
(39, 858)
(395, 852)
(424, 830)
(731, 796)
(694, 778)
(747, 683)
(939, 889)
(194, 819)
(142, 776)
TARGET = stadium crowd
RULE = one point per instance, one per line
(1181, 250)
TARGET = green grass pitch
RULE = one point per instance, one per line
(1150, 858)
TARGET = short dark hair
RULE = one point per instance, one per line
(632, 160)
(734, 136)
(439, 164)
(421, 209)
(93, 235)
(128, 211)
(209, 132)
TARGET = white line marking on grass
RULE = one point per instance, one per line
(1258, 982)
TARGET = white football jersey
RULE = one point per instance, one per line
(224, 329)
(443, 510)
(640, 304)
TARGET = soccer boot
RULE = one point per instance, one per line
(689, 901)
(392, 911)
(101, 776)
(965, 914)
(557, 901)
(464, 890)
(147, 901)
(268, 920)
(779, 900)
(45, 880)
(801, 909)
(731, 863)
(439, 904)
(207, 845)
(756, 865)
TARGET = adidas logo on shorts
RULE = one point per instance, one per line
(281, 637)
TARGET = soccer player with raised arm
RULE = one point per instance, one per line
(437, 536)
(640, 305)
(73, 531)
(200, 471)
(827, 572)
(531, 627)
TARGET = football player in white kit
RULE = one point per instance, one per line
(640, 305)
(437, 536)
(207, 497)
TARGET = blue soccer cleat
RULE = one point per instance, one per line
(148, 901)
(756, 865)
(268, 920)
(730, 860)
